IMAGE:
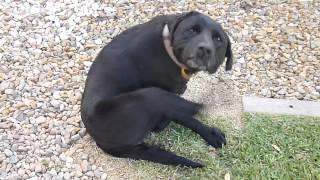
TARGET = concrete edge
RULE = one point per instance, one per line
(280, 106)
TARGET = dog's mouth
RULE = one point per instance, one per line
(195, 64)
(212, 71)
(192, 63)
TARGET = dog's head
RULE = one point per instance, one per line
(199, 43)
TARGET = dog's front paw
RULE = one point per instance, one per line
(215, 137)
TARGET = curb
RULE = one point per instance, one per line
(280, 106)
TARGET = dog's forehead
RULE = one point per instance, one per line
(202, 20)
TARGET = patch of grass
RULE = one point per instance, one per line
(45, 163)
(268, 147)
(280, 147)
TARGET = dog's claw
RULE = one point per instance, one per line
(215, 137)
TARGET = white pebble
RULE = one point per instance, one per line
(87, 63)
(40, 120)
(241, 60)
(55, 103)
(8, 153)
(38, 168)
(98, 41)
(84, 166)
(21, 172)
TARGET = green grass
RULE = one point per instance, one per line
(251, 153)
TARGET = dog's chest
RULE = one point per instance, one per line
(178, 86)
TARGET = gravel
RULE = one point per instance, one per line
(47, 47)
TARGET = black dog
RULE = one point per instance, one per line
(132, 85)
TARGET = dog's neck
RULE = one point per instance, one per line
(169, 49)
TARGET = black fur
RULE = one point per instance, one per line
(132, 88)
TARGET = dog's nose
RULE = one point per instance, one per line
(203, 52)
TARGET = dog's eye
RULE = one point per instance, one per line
(217, 38)
(194, 29)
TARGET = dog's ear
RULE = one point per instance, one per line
(175, 20)
(229, 55)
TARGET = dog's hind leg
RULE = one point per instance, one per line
(161, 125)
(151, 153)
(120, 124)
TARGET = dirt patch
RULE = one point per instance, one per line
(219, 95)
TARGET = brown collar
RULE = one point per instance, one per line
(168, 47)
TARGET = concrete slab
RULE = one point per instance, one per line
(280, 106)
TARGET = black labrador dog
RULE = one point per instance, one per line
(132, 85)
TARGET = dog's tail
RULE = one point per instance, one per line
(151, 153)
